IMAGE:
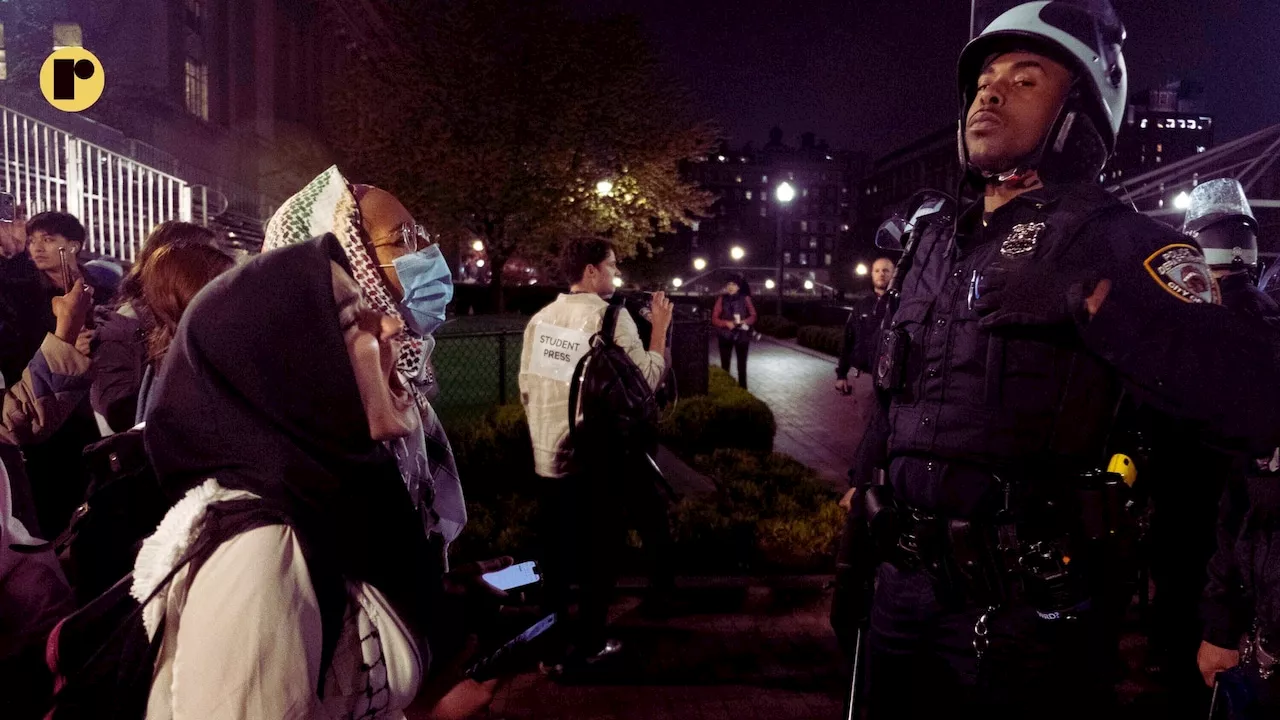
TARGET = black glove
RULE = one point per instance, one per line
(1005, 296)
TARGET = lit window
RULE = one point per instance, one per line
(750, 195)
(813, 243)
(197, 95)
(1159, 147)
(804, 226)
(845, 227)
(804, 258)
(4, 62)
(1199, 148)
(764, 211)
(721, 158)
(737, 178)
(67, 35)
(804, 193)
(764, 178)
(1160, 124)
(742, 159)
(826, 259)
(786, 258)
(1159, 159)
(1144, 123)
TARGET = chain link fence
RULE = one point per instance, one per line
(476, 372)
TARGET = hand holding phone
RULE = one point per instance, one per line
(516, 576)
(507, 659)
(66, 270)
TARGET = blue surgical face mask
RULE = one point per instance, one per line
(428, 288)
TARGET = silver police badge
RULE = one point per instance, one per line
(1022, 239)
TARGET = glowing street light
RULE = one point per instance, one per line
(808, 284)
(861, 269)
(617, 282)
(699, 264)
(1182, 201)
(676, 282)
(604, 188)
(480, 263)
(785, 193)
(478, 246)
(770, 284)
(737, 253)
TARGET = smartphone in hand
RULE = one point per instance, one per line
(516, 576)
(507, 659)
(66, 270)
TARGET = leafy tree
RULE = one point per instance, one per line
(500, 121)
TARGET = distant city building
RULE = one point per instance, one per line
(816, 223)
(1160, 128)
(933, 162)
(220, 99)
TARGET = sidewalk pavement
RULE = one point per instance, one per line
(816, 425)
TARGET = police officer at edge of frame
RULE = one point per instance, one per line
(1017, 327)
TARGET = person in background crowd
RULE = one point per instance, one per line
(863, 328)
(57, 476)
(1240, 604)
(579, 503)
(120, 357)
(733, 317)
(301, 592)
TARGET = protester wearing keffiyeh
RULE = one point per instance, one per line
(331, 204)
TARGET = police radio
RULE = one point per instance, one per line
(900, 233)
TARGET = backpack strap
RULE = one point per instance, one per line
(607, 329)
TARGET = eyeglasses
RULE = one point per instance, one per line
(411, 236)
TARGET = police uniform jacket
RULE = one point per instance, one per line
(1034, 399)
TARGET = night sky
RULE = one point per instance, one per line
(873, 75)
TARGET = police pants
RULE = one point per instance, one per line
(922, 661)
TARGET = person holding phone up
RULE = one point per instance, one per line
(53, 241)
(733, 317)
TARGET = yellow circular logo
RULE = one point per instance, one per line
(72, 79)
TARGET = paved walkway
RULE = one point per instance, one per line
(816, 425)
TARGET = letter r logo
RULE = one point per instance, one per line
(72, 79)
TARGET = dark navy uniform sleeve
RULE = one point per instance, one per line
(873, 448)
(849, 345)
(1160, 328)
(1224, 609)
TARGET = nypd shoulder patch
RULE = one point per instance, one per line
(1181, 270)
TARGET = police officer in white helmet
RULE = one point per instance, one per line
(999, 587)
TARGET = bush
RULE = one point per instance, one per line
(776, 326)
(823, 339)
(726, 417)
(769, 512)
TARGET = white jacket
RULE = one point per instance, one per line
(555, 339)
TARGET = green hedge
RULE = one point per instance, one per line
(820, 338)
(776, 326)
(726, 417)
(769, 512)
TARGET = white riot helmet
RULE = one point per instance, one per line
(1086, 37)
(1221, 221)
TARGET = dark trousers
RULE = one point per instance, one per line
(922, 661)
(584, 522)
(727, 346)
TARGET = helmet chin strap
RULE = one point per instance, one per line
(1030, 164)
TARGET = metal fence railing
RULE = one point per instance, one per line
(118, 199)
(475, 373)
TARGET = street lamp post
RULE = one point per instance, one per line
(785, 193)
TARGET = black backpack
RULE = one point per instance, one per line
(618, 410)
